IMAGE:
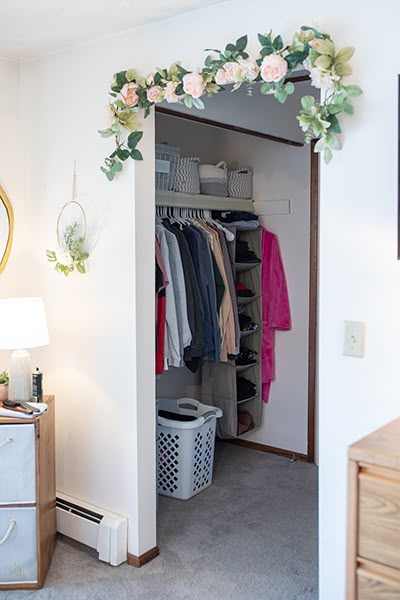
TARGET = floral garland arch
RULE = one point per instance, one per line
(314, 51)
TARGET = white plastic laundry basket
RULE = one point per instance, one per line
(185, 449)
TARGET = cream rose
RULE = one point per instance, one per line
(273, 68)
(170, 95)
(220, 77)
(129, 95)
(233, 72)
(154, 94)
(250, 68)
(193, 84)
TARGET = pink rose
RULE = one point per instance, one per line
(273, 68)
(154, 94)
(314, 43)
(250, 69)
(220, 77)
(193, 84)
(233, 72)
(129, 95)
(170, 95)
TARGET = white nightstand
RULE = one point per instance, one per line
(27, 499)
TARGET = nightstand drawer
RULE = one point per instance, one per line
(17, 464)
(18, 557)
(379, 517)
(377, 582)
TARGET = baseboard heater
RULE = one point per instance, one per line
(105, 531)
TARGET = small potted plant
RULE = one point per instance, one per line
(3, 385)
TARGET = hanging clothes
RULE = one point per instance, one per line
(172, 356)
(193, 354)
(200, 308)
(161, 284)
(275, 306)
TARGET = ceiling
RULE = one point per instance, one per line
(30, 28)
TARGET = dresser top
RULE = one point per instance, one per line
(22, 420)
(381, 448)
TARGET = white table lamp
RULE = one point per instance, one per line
(22, 325)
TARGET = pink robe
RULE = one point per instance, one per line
(275, 306)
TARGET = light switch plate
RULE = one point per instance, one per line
(354, 338)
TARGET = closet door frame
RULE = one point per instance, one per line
(313, 282)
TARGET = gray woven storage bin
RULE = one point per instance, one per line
(166, 161)
(240, 183)
(187, 178)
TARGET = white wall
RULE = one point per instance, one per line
(11, 151)
(280, 172)
(11, 172)
(359, 272)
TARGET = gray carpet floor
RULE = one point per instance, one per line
(252, 535)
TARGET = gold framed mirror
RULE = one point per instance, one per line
(6, 228)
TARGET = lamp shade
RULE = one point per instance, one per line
(22, 323)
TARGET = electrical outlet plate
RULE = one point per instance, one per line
(354, 338)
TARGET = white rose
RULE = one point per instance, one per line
(63, 257)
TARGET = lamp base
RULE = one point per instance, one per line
(20, 376)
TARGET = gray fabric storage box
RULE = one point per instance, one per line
(187, 175)
(214, 179)
(240, 183)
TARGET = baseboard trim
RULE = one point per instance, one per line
(271, 449)
(139, 561)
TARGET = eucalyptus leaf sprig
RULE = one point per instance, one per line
(70, 254)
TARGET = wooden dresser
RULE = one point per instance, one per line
(373, 519)
(27, 499)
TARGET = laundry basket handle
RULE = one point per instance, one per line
(216, 412)
(221, 163)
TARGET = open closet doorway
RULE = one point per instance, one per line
(259, 133)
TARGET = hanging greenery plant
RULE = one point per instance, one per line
(314, 51)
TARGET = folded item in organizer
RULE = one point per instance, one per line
(244, 422)
(17, 412)
(244, 293)
(244, 388)
(244, 254)
(246, 324)
(246, 356)
(246, 224)
(234, 215)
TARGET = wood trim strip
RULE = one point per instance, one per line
(271, 449)
(265, 136)
(313, 303)
(19, 586)
(352, 529)
(139, 561)
(298, 78)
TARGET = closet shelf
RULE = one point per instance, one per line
(247, 300)
(245, 266)
(240, 368)
(180, 200)
(247, 399)
(244, 334)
